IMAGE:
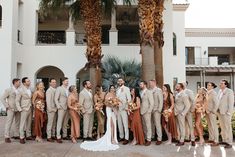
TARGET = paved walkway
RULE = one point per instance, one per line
(67, 149)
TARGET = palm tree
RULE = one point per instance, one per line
(146, 24)
(158, 40)
(90, 11)
(113, 68)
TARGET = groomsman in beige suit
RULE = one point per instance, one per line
(211, 117)
(51, 110)
(87, 103)
(123, 94)
(146, 108)
(24, 106)
(8, 100)
(157, 110)
(181, 108)
(61, 96)
(226, 104)
(189, 116)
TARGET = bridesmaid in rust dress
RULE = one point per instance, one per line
(168, 118)
(74, 110)
(38, 101)
(135, 118)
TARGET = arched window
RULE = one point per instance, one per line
(0, 16)
(174, 44)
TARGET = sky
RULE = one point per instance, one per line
(210, 14)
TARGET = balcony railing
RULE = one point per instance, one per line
(51, 37)
(209, 61)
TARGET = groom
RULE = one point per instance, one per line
(123, 93)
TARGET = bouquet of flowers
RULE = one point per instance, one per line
(99, 106)
(199, 108)
(40, 105)
(131, 106)
(114, 102)
(166, 114)
(78, 108)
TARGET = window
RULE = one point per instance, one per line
(0, 16)
(174, 44)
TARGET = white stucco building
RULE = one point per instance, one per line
(44, 48)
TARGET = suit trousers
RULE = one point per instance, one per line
(10, 124)
(25, 123)
(65, 123)
(51, 124)
(212, 127)
(60, 122)
(156, 118)
(146, 121)
(180, 119)
(122, 118)
(189, 126)
(88, 119)
(226, 128)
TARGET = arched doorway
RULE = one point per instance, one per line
(44, 74)
(82, 75)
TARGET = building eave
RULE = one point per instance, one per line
(180, 7)
(210, 32)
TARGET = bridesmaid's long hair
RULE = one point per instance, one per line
(137, 94)
(168, 88)
(111, 87)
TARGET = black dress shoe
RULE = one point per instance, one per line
(84, 139)
(66, 138)
(193, 143)
(125, 142)
(22, 141)
(29, 138)
(228, 146)
(7, 140)
(121, 140)
(59, 141)
(180, 144)
(16, 137)
(148, 143)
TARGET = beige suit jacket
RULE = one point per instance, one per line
(158, 99)
(61, 98)
(212, 103)
(182, 104)
(147, 102)
(23, 99)
(191, 98)
(125, 96)
(226, 102)
(86, 101)
(50, 100)
(8, 99)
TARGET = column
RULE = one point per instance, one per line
(70, 33)
(231, 80)
(204, 78)
(113, 32)
(201, 78)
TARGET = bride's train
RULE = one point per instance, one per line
(104, 143)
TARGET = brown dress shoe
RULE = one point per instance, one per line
(158, 142)
(148, 143)
(214, 144)
(121, 140)
(186, 140)
(193, 143)
(50, 140)
(16, 137)
(53, 138)
(228, 146)
(66, 138)
(180, 144)
(125, 142)
(22, 141)
(7, 140)
(59, 141)
(210, 141)
(29, 138)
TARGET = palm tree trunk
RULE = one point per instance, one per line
(158, 41)
(91, 13)
(146, 24)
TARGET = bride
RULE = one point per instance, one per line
(109, 140)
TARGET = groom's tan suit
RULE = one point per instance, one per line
(146, 108)
(9, 101)
(226, 104)
(61, 98)
(87, 103)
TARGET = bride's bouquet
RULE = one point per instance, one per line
(114, 102)
(40, 105)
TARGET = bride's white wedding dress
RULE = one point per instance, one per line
(104, 143)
